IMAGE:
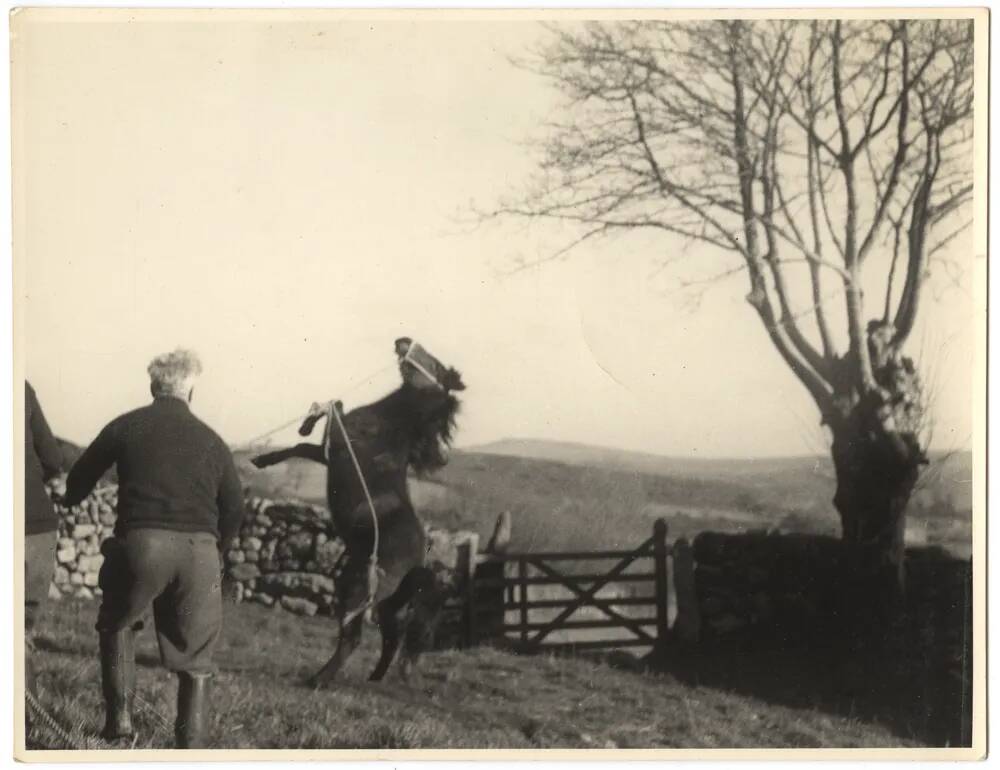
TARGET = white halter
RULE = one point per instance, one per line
(407, 359)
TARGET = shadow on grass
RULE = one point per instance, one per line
(914, 677)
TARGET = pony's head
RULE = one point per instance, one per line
(430, 386)
(420, 369)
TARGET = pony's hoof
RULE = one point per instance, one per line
(258, 462)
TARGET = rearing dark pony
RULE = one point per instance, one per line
(410, 428)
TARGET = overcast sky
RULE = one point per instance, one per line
(287, 199)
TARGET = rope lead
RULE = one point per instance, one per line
(373, 559)
(49, 721)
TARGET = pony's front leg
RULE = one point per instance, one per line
(312, 452)
(350, 637)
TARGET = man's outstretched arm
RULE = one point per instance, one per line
(91, 465)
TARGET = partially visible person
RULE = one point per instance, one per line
(179, 502)
(42, 461)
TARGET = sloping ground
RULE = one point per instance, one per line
(480, 698)
(643, 462)
(600, 498)
(557, 505)
(796, 482)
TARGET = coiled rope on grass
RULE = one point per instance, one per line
(46, 719)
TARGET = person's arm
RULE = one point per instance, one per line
(46, 446)
(91, 465)
(229, 501)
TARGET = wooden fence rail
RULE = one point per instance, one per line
(498, 604)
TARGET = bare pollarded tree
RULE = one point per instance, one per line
(829, 158)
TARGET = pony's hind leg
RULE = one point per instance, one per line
(393, 615)
(350, 636)
(312, 452)
(419, 634)
(425, 613)
(389, 627)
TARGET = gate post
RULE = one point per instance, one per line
(489, 603)
(522, 575)
(660, 578)
(687, 625)
(467, 560)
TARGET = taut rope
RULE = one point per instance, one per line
(301, 417)
(334, 414)
(407, 358)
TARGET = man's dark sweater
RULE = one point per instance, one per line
(42, 461)
(174, 472)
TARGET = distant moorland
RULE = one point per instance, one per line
(577, 496)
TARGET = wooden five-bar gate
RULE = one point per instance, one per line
(509, 592)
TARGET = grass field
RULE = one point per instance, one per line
(565, 498)
(481, 698)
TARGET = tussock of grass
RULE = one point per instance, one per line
(481, 698)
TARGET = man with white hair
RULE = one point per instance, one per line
(179, 503)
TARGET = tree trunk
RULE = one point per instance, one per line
(877, 469)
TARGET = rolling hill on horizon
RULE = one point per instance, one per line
(948, 477)
(578, 453)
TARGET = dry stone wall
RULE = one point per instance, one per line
(780, 589)
(760, 584)
(284, 555)
(82, 531)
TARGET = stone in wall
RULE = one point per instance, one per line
(243, 573)
(297, 546)
(328, 553)
(294, 584)
(298, 605)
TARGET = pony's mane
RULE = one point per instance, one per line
(432, 435)
(427, 419)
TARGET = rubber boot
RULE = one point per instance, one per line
(118, 683)
(191, 727)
